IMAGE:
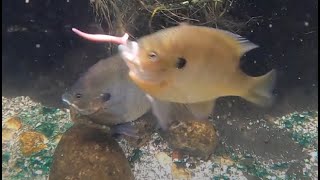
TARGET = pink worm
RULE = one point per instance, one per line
(102, 37)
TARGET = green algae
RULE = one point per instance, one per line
(220, 177)
(47, 110)
(41, 161)
(48, 129)
(136, 155)
(5, 157)
(280, 166)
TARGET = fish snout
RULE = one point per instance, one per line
(129, 51)
(66, 97)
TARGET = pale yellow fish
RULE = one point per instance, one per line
(194, 65)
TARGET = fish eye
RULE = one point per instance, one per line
(106, 96)
(153, 56)
(181, 63)
(78, 95)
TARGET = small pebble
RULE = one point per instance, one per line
(180, 173)
(163, 159)
(13, 123)
(7, 134)
(32, 142)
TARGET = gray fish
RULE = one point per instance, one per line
(105, 90)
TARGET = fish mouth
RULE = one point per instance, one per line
(129, 52)
(79, 110)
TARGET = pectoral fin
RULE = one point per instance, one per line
(201, 110)
(167, 112)
(124, 129)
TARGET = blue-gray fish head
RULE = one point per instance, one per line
(85, 103)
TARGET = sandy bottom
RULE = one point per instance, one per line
(20, 160)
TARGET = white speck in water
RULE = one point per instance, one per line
(27, 1)
(68, 0)
(255, 61)
(251, 30)
(301, 40)
(270, 25)
(224, 168)
(299, 77)
(306, 23)
(37, 45)
(38, 172)
(313, 155)
(187, 165)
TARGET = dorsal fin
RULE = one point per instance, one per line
(184, 24)
(245, 44)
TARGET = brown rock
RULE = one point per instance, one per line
(13, 123)
(89, 153)
(145, 126)
(163, 159)
(7, 134)
(226, 161)
(197, 138)
(180, 173)
(32, 142)
(176, 156)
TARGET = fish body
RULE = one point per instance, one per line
(106, 94)
(211, 65)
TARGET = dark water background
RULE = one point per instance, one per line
(290, 46)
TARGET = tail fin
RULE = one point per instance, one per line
(261, 91)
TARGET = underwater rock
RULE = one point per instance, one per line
(32, 142)
(197, 138)
(176, 156)
(89, 153)
(163, 159)
(180, 173)
(224, 160)
(13, 123)
(145, 126)
(7, 134)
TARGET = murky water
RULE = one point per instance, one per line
(42, 57)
